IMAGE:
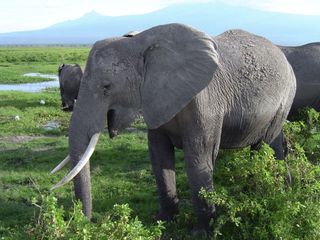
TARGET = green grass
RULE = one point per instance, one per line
(253, 199)
(32, 115)
(117, 178)
(27, 160)
(16, 61)
(121, 171)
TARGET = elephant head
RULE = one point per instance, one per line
(69, 80)
(156, 72)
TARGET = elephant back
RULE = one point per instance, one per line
(258, 84)
(254, 67)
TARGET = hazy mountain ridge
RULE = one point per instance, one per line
(213, 18)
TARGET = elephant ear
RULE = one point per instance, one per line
(177, 66)
(60, 68)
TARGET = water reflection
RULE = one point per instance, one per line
(32, 87)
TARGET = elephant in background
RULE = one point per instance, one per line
(305, 61)
(195, 93)
(69, 80)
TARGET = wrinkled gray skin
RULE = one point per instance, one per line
(193, 93)
(69, 80)
(305, 61)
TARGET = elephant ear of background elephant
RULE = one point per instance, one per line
(177, 67)
(60, 68)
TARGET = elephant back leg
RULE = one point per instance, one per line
(279, 145)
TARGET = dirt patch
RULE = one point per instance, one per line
(42, 149)
(14, 142)
(19, 139)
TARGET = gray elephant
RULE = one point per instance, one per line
(69, 80)
(305, 61)
(194, 93)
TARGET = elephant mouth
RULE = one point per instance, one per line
(111, 123)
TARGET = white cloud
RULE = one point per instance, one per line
(129, 7)
(16, 15)
(306, 7)
(21, 15)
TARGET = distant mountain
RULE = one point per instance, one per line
(213, 18)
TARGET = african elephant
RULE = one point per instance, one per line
(305, 61)
(69, 80)
(194, 93)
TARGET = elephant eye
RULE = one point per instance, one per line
(106, 89)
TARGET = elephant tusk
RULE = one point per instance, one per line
(85, 158)
(61, 165)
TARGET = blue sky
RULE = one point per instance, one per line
(22, 15)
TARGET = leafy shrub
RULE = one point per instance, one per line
(252, 196)
(305, 132)
(54, 223)
(256, 203)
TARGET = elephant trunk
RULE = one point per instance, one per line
(78, 142)
(82, 188)
(83, 137)
(84, 131)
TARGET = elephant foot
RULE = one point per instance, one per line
(199, 233)
(202, 227)
(168, 212)
(164, 216)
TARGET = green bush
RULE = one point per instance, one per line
(255, 201)
(305, 132)
(55, 223)
(253, 198)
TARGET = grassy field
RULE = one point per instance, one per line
(252, 196)
(16, 61)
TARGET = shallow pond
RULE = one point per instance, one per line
(32, 87)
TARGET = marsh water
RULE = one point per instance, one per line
(32, 87)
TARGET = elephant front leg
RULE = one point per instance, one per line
(200, 153)
(161, 152)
